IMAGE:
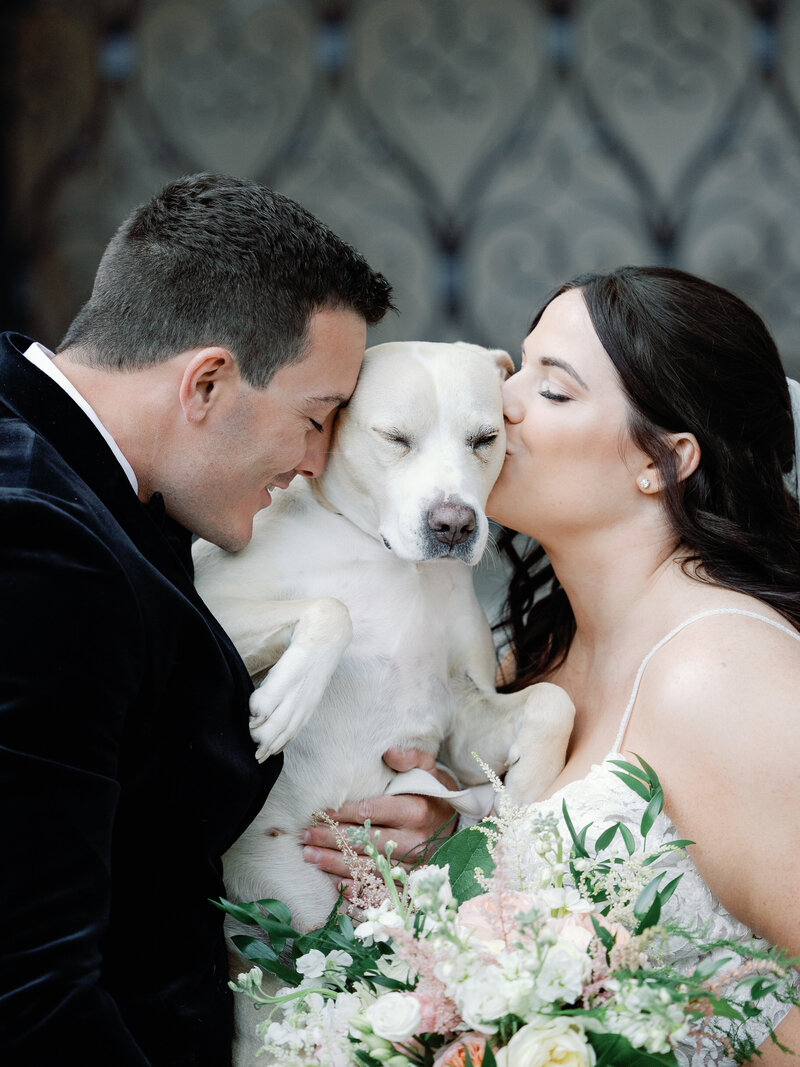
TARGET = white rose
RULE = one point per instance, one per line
(546, 1042)
(394, 1016)
(482, 998)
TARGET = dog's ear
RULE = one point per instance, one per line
(504, 362)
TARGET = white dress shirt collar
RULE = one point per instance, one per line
(42, 358)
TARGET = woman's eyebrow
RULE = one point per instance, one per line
(551, 361)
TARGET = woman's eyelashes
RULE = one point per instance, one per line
(550, 394)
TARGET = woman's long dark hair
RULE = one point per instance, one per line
(690, 356)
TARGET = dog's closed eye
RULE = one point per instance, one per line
(395, 437)
(482, 439)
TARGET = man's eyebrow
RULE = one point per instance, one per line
(551, 361)
(337, 400)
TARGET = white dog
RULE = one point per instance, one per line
(355, 591)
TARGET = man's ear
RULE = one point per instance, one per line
(206, 380)
(687, 456)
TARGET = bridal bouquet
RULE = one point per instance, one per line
(478, 960)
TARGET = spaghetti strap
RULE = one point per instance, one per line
(623, 726)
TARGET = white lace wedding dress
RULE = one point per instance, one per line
(603, 799)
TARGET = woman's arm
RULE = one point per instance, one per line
(410, 821)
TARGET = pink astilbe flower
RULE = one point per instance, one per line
(492, 917)
(368, 889)
(439, 1014)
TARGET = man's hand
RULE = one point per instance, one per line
(410, 821)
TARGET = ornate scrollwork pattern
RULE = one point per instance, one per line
(477, 151)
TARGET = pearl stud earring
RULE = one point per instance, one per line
(644, 483)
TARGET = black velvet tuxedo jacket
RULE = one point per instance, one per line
(126, 766)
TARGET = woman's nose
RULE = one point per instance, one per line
(513, 409)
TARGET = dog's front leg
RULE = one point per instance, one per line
(523, 735)
(304, 639)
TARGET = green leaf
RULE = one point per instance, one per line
(652, 811)
(578, 839)
(605, 936)
(488, 1057)
(669, 889)
(465, 851)
(647, 906)
(627, 837)
(259, 952)
(652, 777)
(613, 1050)
(707, 968)
(607, 836)
(638, 787)
(260, 913)
(631, 768)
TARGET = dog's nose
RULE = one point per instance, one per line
(451, 523)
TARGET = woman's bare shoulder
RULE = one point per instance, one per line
(728, 683)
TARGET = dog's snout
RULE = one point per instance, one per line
(452, 524)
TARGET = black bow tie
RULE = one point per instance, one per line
(156, 508)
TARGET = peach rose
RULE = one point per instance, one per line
(454, 1055)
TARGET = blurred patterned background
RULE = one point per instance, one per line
(477, 151)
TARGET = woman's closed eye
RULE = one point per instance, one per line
(317, 426)
(550, 394)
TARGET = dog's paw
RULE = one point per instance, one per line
(288, 697)
(539, 750)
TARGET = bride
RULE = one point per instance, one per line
(650, 439)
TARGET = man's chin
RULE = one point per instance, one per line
(230, 540)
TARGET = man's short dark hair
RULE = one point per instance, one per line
(216, 260)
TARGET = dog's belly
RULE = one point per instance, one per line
(369, 706)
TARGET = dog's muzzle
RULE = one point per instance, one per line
(451, 524)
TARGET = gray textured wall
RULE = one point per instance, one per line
(477, 151)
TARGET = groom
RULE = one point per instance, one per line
(225, 329)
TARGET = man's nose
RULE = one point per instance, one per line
(319, 444)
